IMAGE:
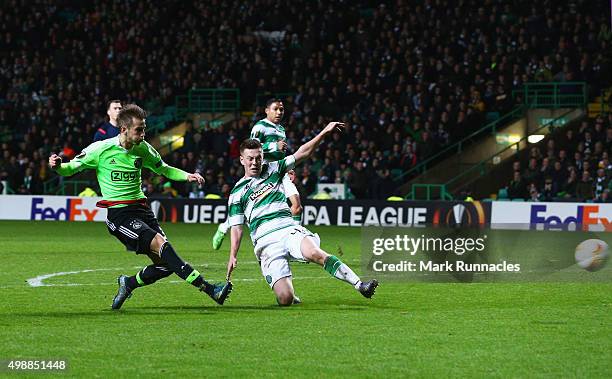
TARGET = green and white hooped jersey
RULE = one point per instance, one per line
(119, 170)
(269, 134)
(260, 202)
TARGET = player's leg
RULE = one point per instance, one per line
(160, 246)
(220, 234)
(276, 271)
(149, 274)
(303, 244)
(119, 223)
(284, 292)
(138, 229)
(146, 276)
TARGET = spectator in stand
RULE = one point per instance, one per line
(307, 182)
(534, 195)
(546, 171)
(548, 193)
(600, 183)
(571, 184)
(151, 192)
(584, 188)
(531, 173)
(358, 181)
(605, 197)
(517, 189)
(189, 143)
(31, 182)
(559, 176)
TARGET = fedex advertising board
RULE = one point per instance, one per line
(52, 208)
(551, 216)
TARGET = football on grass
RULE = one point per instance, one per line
(592, 254)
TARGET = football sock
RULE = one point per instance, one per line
(341, 271)
(224, 227)
(148, 275)
(297, 218)
(184, 269)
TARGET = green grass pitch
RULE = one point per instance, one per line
(171, 330)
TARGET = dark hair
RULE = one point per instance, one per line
(129, 112)
(110, 102)
(249, 144)
(272, 101)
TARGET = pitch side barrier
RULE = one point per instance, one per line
(494, 215)
(319, 213)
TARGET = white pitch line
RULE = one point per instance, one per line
(38, 281)
(167, 282)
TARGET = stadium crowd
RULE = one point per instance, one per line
(575, 166)
(408, 77)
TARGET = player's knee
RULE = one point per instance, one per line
(284, 292)
(157, 243)
(284, 299)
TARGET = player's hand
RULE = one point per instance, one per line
(339, 126)
(282, 145)
(55, 161)
(196, 178)
(231, 265)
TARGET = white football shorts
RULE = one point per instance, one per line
(275, 250)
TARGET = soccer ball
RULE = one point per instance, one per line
(592, 254)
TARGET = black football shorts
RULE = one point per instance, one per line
(135, 226)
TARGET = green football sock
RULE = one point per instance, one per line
(341, 271)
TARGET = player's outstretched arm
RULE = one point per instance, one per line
(86, 159)
(306, 150)
(236, 238)
(175, 174)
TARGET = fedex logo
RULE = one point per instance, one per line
(586, 215)
(69, 213)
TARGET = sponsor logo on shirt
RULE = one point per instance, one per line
(124, 176)
(261, 192)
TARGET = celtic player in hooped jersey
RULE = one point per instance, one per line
(118, 162)
(271, 134)
(258, 201)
